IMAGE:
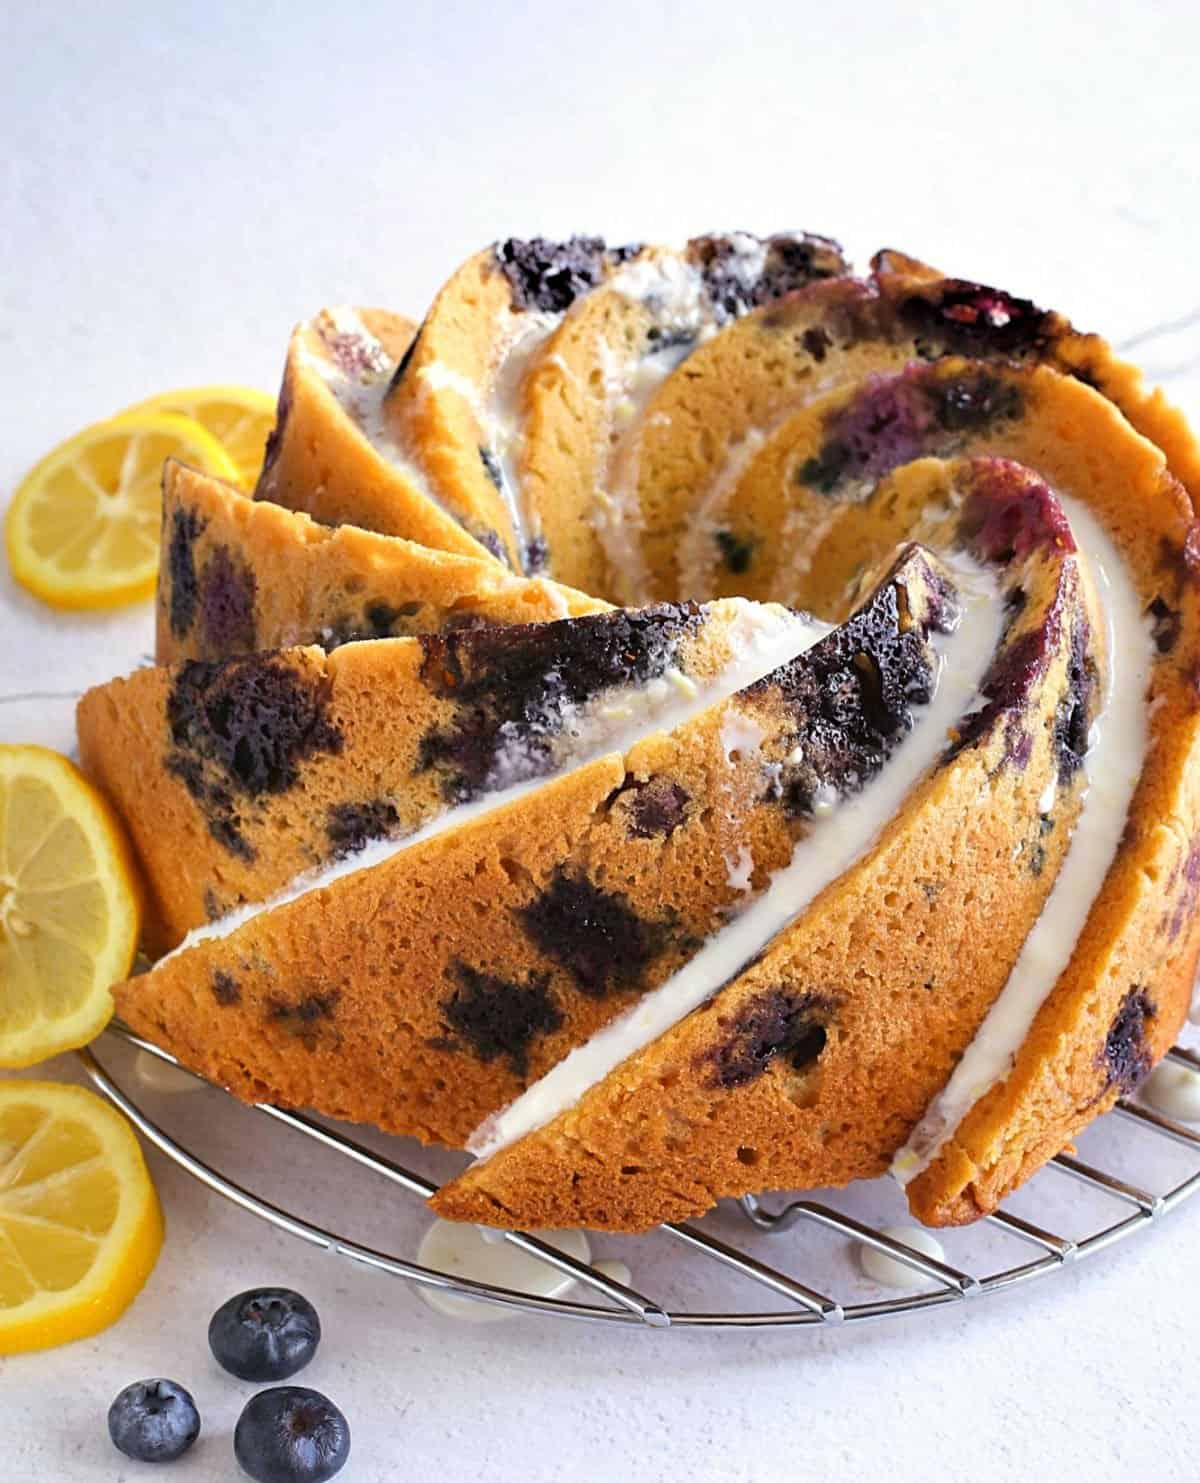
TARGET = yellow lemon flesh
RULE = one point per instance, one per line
(80, 1222)
(70, 906)
(83, 527)
(239, 417)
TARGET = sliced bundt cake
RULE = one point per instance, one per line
(331, 456)
(705, 915)
(240, 575)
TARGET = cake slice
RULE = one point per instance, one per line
(330, 454)
(255, 770)
(240, 575)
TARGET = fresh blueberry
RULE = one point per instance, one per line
(291, 1435)
(154, 1421)
(266, 1334)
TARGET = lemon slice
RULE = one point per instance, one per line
(239, 417)
(80, 1222)
(83, 527)
(70, 907)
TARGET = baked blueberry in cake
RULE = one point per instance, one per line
(683, 723)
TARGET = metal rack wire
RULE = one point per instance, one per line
(1131, 1207)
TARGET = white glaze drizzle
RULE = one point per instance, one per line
(362, 398)
(890, 1271)
(1111, 768)
(672, 292)
(839, 836)
(482, 1255)
(1174, 1090)
(760, 638)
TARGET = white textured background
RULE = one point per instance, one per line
(178, 184)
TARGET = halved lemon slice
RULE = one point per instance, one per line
(80, 1222)
(70, 906)
(239, 417)
(83, 527)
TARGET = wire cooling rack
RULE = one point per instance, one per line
(1139, 1167)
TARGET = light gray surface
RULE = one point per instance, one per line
(178, 188)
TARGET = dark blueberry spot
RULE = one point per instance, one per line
(381, 616)
(225, 988)
(896, 419)
(186, 528)
(973, 401)
(405, 361)
(212, 907)
(227, 590)
(153, 1421)
(490, 540)
(491, 467)
(537, 556)
(306, 1017)
(499, 1018)
(594, 934)
(817, 342)
(735, 282)
(1180, 914)
(349, 826)
(254, 720)
(289, 1434)
(1126, 1055)
(356, 355)
(657, 807)
(662, 338)
(1007, 686)
(512, 686)
(849, 700)
(1009, 514)
(268, 1333)
(283, 408)
(961, 318)
(1167, 623)
(885, 425)
(551, 275)
(736, 551)
(780, 1022)
(215, 801)
(1073, 716)
(1037, 860)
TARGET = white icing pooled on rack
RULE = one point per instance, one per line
(1112, 766)
(841, 833)
(477, 1255)
(760, 638)
(889, 1270)
(1174, 1090)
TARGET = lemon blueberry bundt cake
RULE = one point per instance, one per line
(863, 830)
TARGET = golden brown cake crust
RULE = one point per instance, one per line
(244, 575)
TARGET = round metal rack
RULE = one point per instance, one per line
(1117, 1206)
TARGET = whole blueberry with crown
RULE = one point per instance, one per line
(153, 1421)
(266, 1333)
(290, 1434)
